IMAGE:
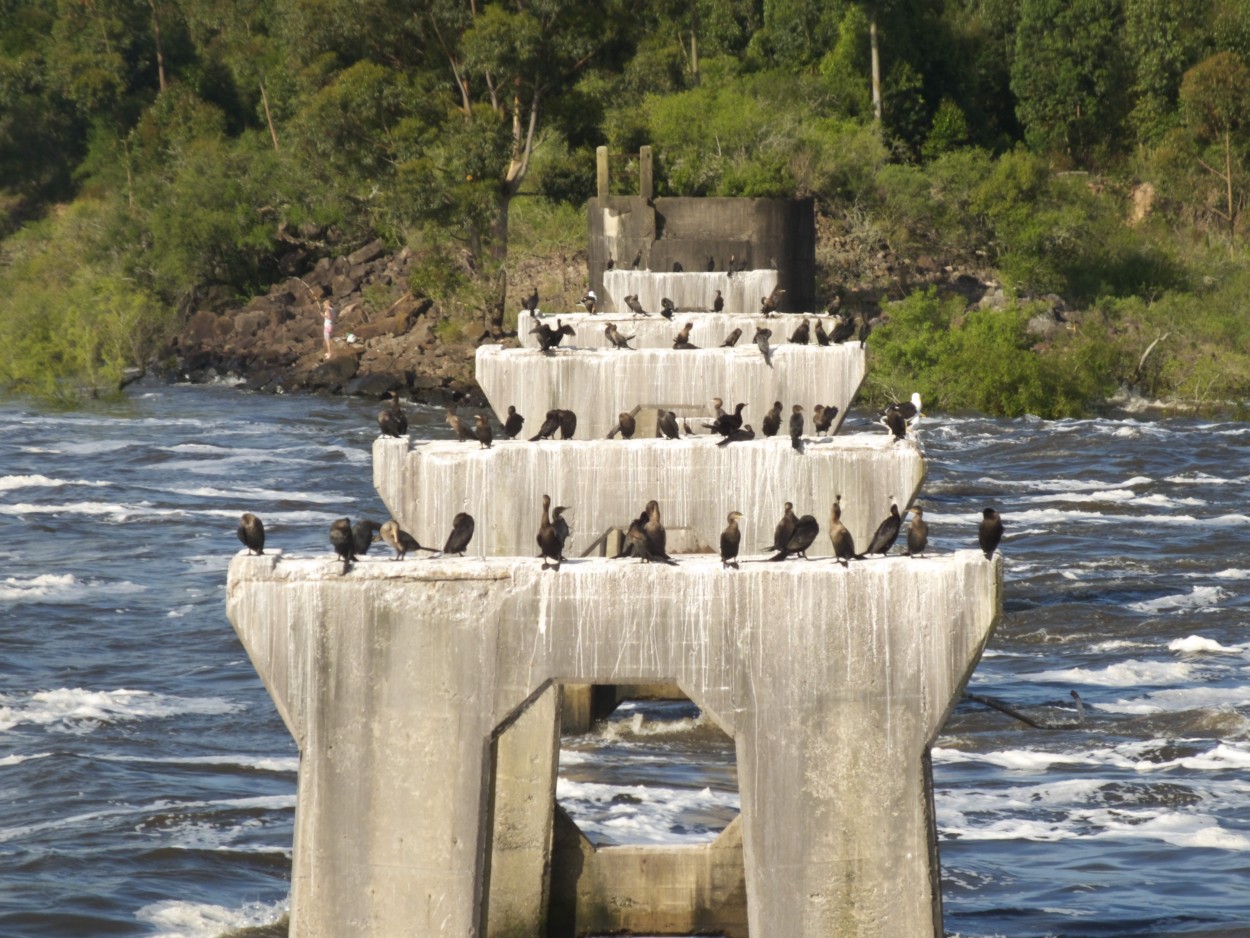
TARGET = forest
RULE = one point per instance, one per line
(163, 156)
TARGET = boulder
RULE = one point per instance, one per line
(370, 252)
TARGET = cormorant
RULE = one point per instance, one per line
(512, 425)
(785, 527)
(726, 424)
(909, 410)
(768, 304)
(400, 540)
(677, 268)
(549, 338)
(657, 537)
(611, 263)
(711, 263)
(668, 425)
(823, 417)
(341, 541)
(802, 334)
(637, 259)
(796, 427)
(530, 303)
(738, 436)
(391, 420)
(481, 430)
(625, 426)
(718, 304)
(843, 329)
(561, 526)
(616, 337)
(801, 537)
(772, 420)
(732, 339)
(761, 340)
(552, 535)
(667, 308)
(893, 421)
(589, 301)
(456, 424)
(461, 534)
(990, 532)
(822, 337)
(252, 533)
(568, 424)
(865, 327)
(550, 425)
(730, 539)
(364, 533)
(917, 532)
(683, 337)
(843, 543)
(887, 532)
(634, 306)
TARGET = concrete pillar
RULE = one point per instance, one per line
(398, 679)
(602, 181)
(598, 384)
(608, 482)
(646, 182)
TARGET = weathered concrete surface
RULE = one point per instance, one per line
(710, 329)
(608, 483)
(395, 679)
(742, 292)
(598, 384)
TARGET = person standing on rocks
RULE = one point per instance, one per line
(330, 316)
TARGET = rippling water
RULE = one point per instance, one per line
(148, 785)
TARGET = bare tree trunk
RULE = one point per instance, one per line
(160, 54)
(876, 63)
(694, 41)
(269, 117)
(1228, 179)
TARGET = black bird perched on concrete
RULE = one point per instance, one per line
(732, 339)
(634, 306)
(481, 430)
(718, 304)
(512, 425)
(843, 542)
(364, 533)
(625, 426)
(726, 423)
(637, 259)
(549, 338)
(801, 537)
(530, 303)
(796, 427)
(341, 541)
(457, 425)
(768, 304)
(843, 329)
(391, 420)
(785, 527)
(740, 435)
(568, 424)
(461, 534)
(735, 265)
(616, 337)
(761, 340)
(917, 533)
(657, 537)
(822, 337)
(611, 263)
(990, 532)
(589, 301)
(668, 425)
(251, 532)
(730, 539)
(711, 264)
(667, 308)
(823, 416)
(865, 327)
(909, 410)
(677, 268)
(550, 425)
(893, 421)
(802, 334)
(400, 540)
(887, 532)
(683, 338)
(772, 420)
(550, 542)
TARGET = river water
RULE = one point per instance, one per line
(147, 786)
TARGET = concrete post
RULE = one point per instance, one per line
(646, 182)
(601, 172)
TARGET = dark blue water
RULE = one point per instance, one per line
(148, 787)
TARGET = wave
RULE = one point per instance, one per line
(1196, 598)
(175, 918)
(1196, 643)
(1130, 673)
(61, 588)
(9, 483)
(77, 710)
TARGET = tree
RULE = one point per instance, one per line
(1215, 98)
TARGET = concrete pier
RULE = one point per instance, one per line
(409, 687)
(710, 329)
(598, 384)
(741, 292)
(608, 482)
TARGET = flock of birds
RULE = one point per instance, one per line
(645, 537)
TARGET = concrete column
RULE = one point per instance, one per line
(601, 172)
(397, 680)
(646, 182)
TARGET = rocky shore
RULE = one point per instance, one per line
(387, 336)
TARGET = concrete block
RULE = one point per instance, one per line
(598, 384)
(710, 329)
(689, 290)
(608, 483)
(395, 678)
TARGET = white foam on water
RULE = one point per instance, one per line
(174, 918)
(639, 813)
(77, 710)
(1131, 673)
(249, 495)
(1022, 760)
(1232, 574)
(144, 511)
(1180, 829)
(1105, 495)
(259, 763)
(1200, 478)
(1196, 598)
(1195, 644)
(88, 448)
(1063, 485)
(1118, 644)
(1176, 700)
(61, 588)
(18, 760)
(9, 483)
(638, 725)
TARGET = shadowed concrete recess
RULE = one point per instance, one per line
(608, 482)
(400, 681)
(598, 384)
(710, 329)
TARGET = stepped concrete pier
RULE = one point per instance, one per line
(710, 329)
(422, 697)
(598, 384)
(741, 292)
(607, 483)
